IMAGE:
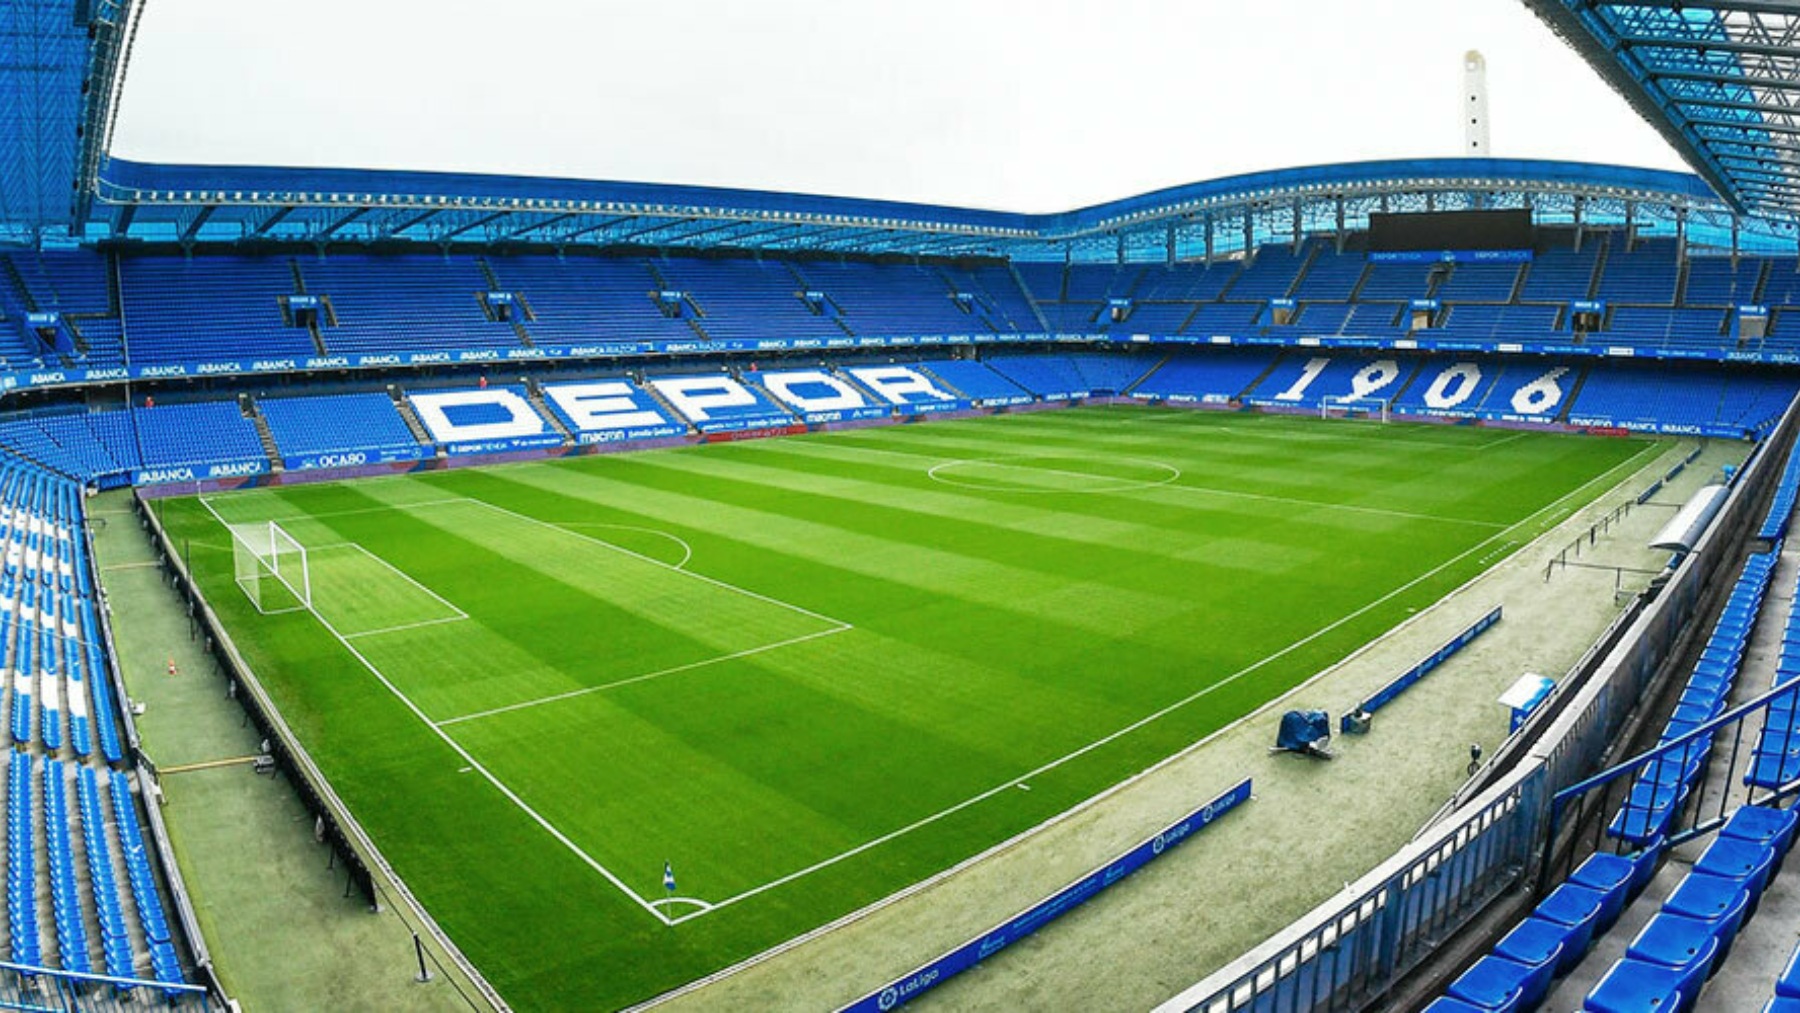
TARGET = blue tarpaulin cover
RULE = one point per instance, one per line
(1300, 730)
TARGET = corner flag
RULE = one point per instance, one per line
(668, 877)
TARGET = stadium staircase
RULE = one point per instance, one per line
(410, 417)
(935, 375)
(1037, 311)
(753, 380)
(535, 395)
(247, 405)
(663, 403)
(325, 312)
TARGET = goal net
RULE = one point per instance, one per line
(1352, 408)
(271, 567)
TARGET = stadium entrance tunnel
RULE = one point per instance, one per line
(1055, 473)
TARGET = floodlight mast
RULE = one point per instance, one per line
(1475, 105)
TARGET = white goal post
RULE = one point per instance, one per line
(271, 567)
(1350, 408)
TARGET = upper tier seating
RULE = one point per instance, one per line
(404, 303)
(1479, 283)
(1270, 276)
(181, 309)
(746, 298)
(1717, 281)
(1644, 276)
(581, 298)
(1560, 274)
(889, 299)
(1331, 276)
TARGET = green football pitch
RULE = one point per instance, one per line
(808, 672)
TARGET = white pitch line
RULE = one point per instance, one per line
(646, 677)
(406, 626)
(1172, 483)
(790, 606)
(358, 546)
(1171, 708)
(687, 551)
(1379, 511)
(474, 764)
(207, 502)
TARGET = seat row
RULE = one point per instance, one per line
(1662, 785)
(163, 961)
(1671, 957)
(1781, 507)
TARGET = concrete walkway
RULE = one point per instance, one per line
(282, 933)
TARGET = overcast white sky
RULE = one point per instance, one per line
(1027, 105)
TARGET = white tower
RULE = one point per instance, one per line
(1474, 105)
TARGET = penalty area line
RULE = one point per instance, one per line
(646, 677)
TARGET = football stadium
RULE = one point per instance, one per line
(1336, 587)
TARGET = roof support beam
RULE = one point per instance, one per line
(458, 230)
(331, 230)
(193, 226)
(270, 220)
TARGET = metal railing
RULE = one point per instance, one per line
(23, 987)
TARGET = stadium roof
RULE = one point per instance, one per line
(1720, 79)
(63, 64)
(232, 204)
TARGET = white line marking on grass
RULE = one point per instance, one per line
(646, 677)
(206, 501)
(692, 901)
(1157, 715)
(714, 581)
(406, 626)
(1132, 484)
(1502, 441)
(1380, 511)
(403, 575)
(687, 551)
(475, 764)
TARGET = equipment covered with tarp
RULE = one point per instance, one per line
(1306, 732)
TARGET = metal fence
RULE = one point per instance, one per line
(43, 989)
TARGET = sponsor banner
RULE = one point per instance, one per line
(849, 414)
(503, 444)
(199, 472)
(259, 365)
(1003, 402)
(589, 438)
(728, 436)
(1449, 256)
(1405, 680)
(932, 407)
(354, 458)
(980, 948)
(770, 422)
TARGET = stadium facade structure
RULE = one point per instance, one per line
(1652, 300)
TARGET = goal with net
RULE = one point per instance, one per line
(272, 568)
(1352, 408)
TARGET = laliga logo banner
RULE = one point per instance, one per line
(502, 415)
